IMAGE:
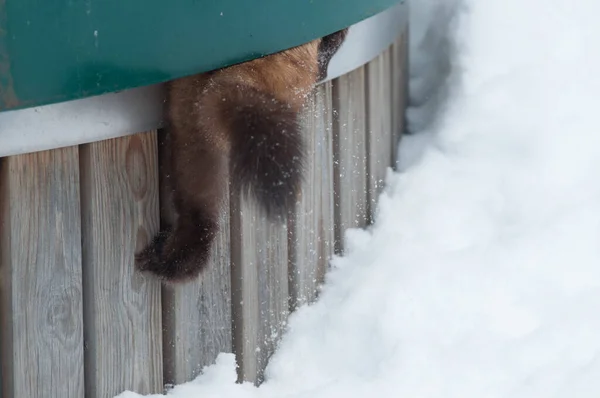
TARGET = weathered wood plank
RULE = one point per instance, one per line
(379, 126)
(311, 237)
(399, 89)
(196, 315)
(350, 167)
(41, 317)
(259, 262)
(122, 306)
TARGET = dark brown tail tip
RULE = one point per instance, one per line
(268, 155)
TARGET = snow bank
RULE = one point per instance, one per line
(481, 277)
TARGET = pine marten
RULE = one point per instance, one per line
(238, 124)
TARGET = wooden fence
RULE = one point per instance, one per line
(76, 319)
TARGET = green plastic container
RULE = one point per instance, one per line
(58, 50)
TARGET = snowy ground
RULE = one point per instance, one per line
(481, 277)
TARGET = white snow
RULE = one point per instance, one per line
(481, 276)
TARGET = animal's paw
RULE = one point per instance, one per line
(174, 260)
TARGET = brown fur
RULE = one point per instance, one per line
(328, 46)
(241, 124)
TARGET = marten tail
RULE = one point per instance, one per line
(264, 159)
(267, 151)
(240, 122)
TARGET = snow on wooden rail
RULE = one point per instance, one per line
(76, 319)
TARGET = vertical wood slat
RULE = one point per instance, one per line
(259, 262)
(122, 307)
(379, 126)
(41, 276)
(399, 61)
(311, 237)
(196, 315)
(350, 167)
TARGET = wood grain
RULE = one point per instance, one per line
(122, 307)
(259, 286)
(399, 89)
(349, 142)
(196, 315)
(379, 126)
(41, 277)
(311, 237)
